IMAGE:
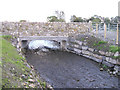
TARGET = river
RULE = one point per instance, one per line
(68, 70)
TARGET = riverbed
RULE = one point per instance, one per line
(68, 70)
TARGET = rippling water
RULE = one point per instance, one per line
(39, 44)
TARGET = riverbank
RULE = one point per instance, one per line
(16, 72)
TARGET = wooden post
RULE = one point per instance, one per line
(117, 34)
(96, 28)
(105, 30)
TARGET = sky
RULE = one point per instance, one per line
(39, 10)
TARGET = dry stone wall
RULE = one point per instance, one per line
(105, 58)
(44, 28)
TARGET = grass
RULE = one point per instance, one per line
(99, 43)
(114, 48)
(11, 59)
(7, 37)
(82, 39)
(13, 66)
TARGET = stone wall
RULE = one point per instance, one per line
(44, 28)
(104, 58)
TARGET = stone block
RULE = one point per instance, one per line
(77, 50)
(107, 64)
(86, 52)
(118, 62)
(87, 56)
(85, 43)
(70, 48)
(91, 49)
(76, 46)
(95, 55)
(116, 54)
(117, 68)
(109, 54)
(107, 58)
(103, 57)
(95, 59)
(113, 61)
(79, 42)
(102, 53)
(84, 47)
(98, 57)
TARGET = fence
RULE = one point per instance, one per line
(108, 32)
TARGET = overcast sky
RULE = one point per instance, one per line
(38, 10)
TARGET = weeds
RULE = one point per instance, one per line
(114, 49)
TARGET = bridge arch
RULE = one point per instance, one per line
(62, 41)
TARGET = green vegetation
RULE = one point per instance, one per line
(107, 20)
(54, 19)
(82, 39)
(59, 17)
(76, 19)
(0, 63)
(116, 57)
(11, 58)
(7, 37)
(114, 48)
(99, 43)
(23, 21)
(14, 67)
(104, 67)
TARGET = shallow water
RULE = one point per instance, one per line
(68, 70)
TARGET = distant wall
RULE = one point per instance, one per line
(44, 28)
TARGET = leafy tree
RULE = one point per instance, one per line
(52, 19)
(76, 19)
(115, 20)
(60, 17)
(95, 20)
(107, 20)
(23, 21)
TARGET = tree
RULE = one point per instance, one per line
(23, 21)
(52, 19)
(60, 17)
(95, 20)
(115, 20)
(107, 20)
(76, 19)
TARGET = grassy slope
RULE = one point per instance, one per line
(0, 63)
(13, 67)
(98, 44)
